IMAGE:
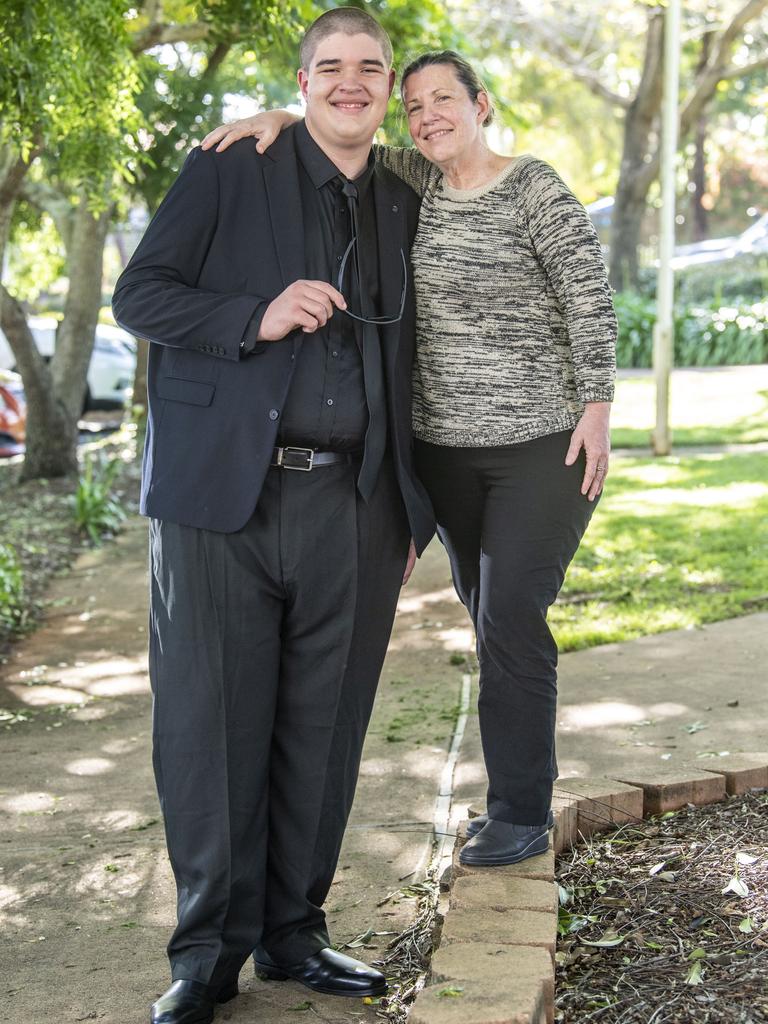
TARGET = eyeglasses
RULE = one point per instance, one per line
(380, 320)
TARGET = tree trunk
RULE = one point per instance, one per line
(635, 176)
(74, 339)
(55, 392)
(698, 178)
(51, 444)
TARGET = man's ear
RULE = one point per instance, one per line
(303, 79)
(392, 77)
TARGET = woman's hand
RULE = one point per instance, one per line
(592, 433)
(265, 126)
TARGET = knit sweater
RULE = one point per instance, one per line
(515, 326)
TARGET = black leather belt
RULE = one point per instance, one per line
(305, 459)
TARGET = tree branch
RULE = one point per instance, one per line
(743, 70)
(215, 60)
(571, 60)
(14, 170)
(157, 34)
(57, 205)
(30, 363)
(647, 101)
(718, 64)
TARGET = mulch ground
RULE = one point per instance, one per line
(668, 921)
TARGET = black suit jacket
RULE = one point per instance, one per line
(226, 240)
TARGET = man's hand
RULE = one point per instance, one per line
(410, 563)
(265, 126)
(593, 434)
(304, 304)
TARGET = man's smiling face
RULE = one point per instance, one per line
(346, 89)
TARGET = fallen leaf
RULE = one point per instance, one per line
(694, 975)
(608, 940)
(736, 886)
(746, 859)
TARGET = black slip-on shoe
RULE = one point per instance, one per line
(475, 824)
(191, 1002)
(500, 842)
(327, 971)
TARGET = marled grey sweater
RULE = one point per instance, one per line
(515, 325)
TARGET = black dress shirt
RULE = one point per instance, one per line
(326, 405)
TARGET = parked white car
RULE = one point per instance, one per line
(112, 366)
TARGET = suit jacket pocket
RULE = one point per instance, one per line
(193, 392)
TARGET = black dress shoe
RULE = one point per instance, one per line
(475, 824)
(499, 842)
(191, 1002)
(326, 971)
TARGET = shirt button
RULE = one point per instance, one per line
(334, 354)
(394, 209)
(330, 401)
(273, 414)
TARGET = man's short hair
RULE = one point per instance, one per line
(349, 20)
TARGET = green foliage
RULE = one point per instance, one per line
(67, 80)
(97, 512)
(739, 280)
(252, 52)
(716, 336)
(36, 258)
(12, 608)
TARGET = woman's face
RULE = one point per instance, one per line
(444, 122)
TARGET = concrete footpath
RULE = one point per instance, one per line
(663, 701)
(86, 893)
(86, 896)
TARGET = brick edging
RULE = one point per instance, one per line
(494, 963)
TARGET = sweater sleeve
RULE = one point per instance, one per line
(408, 163)
(567, 246)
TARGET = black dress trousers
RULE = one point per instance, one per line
(511, 519)
(250, 645)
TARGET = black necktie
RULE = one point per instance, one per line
(373, 377)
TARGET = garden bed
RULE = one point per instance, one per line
(666, 922)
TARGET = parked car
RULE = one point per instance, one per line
(112, 366)
(13, 413)
(752, 241)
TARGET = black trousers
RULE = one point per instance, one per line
(258, 640)
(511, 519)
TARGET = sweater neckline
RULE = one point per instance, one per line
(463, 195)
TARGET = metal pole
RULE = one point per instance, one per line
(663, 335)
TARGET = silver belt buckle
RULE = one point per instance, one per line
(308, 452)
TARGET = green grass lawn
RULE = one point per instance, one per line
(723, 405)
(674, 543)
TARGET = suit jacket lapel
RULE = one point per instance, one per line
(281, 179)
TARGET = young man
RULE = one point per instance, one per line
(278, 479)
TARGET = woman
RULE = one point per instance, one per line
(511, 401)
